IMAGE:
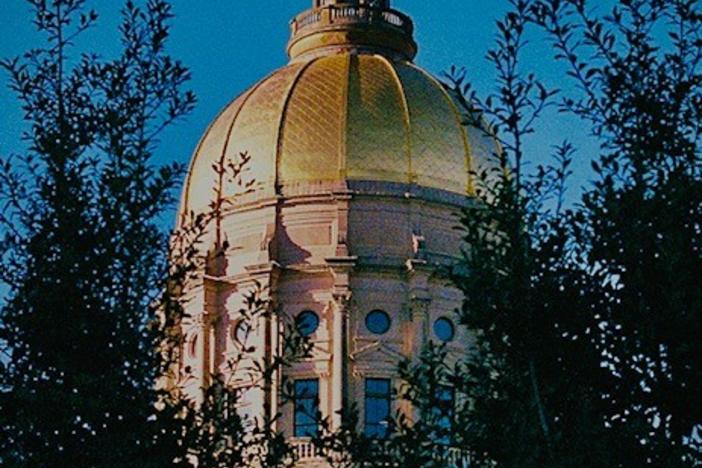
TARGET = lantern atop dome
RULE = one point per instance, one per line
(333, 26)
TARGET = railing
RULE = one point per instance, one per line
(307, 18)
(458, 458)
(305, 450)
(344, 14)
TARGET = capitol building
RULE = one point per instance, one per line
(360, 162)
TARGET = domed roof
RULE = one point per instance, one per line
(341, 116)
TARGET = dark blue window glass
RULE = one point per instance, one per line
(378, 322)
(444, 330)
(444, 413)
(377, 406)
(307, 323)
(306, 407)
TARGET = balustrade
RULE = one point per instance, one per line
(349, 14)
(306, 451)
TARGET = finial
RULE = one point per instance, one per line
(331, 26)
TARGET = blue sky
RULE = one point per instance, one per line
(231, 44)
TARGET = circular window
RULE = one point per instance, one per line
(444, 329)
(240, 332)
(307, 323)
(378, 322)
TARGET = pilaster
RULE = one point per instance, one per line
(341, 268)
(419, 273)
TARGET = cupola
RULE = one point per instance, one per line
(352, 25)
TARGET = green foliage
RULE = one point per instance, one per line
(82, 252)
(532, 377)
(98, 291)
(641, 219)
(587, 319)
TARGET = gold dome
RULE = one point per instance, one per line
(341, 115)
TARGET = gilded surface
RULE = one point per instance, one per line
(376, 130)
(338, 117)
(201, 179)
(311, 145)
(257, 128)
(438, 151)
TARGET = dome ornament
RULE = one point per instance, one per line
(333, 26)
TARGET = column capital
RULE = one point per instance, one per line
(204, 319)
(341, 298)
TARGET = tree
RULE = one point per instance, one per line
(82, 250)
(92, 326)
(587, 318)
(638, 69)
(533, 378)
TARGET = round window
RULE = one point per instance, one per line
(378, 322)
(240, 332)
(307, 323)
(444, 329)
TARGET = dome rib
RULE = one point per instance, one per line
(243, 97)
(311, 146)
(343, 128)
(283, 116)
(228, 139)
(185, 197)
(376, 130)
(317, 124)
(407, 120)
(464, 134)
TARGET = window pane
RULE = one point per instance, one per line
(378, 322)
(307, 323)
(376, 430)
(305, 412)
(306, 431)
(444, 413)
(379, 387)
(306, 388)
(377, 407)
(306, 407)
(377, 410)
(445, 394)
(444, 329)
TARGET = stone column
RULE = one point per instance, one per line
(205, 349)
(341, 293)
(338, 351)
(266, 275)
(419, 301)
